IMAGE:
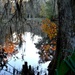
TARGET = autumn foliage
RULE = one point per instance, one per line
(50, 28)
(48, 46)
(9, 47)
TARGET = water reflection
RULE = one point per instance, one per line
(28, 52)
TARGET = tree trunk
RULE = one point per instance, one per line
(64, 33)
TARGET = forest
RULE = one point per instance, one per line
(53, 20)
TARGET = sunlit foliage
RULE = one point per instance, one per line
(50, 28)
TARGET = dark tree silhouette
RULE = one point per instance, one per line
(64, 34)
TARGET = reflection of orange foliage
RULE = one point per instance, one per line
(46, 47)
(53, 48)
(9, 48)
